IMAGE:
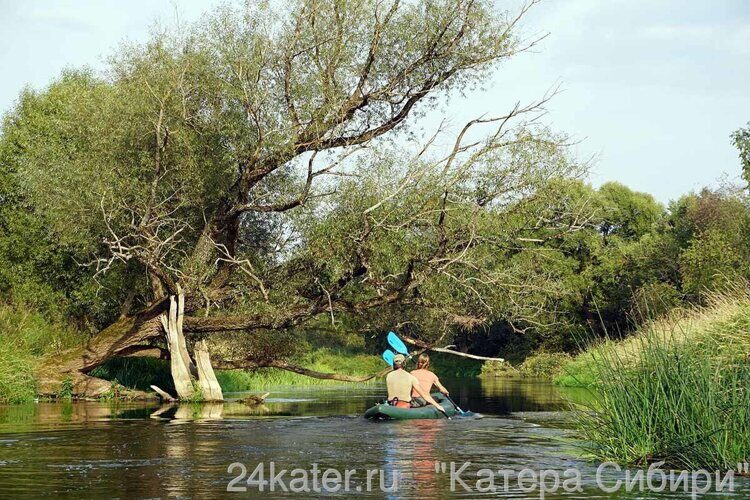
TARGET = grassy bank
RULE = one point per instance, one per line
(325, 360)
(679, 391)
(140, 373)
(344, 361)
(539, 365)
(721, 326)
(27, 336)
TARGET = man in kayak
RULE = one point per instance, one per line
(426, 378)
(401, 383)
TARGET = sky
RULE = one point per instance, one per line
(650, 88)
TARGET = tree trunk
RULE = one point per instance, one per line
(130, 336)
(206, 377)
(184, 371)
(118, 339)
(180, 362)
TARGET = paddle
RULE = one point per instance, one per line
(388, 356)
(460, 411)
(397, 344)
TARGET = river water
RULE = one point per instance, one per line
(98, 449)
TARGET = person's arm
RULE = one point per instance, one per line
(426, 396)
(440, 387)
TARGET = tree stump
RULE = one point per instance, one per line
(184, 371)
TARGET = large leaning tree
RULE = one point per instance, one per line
(266, 167)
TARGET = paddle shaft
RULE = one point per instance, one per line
(454, 403)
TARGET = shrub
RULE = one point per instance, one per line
(25, 337)
(498, 369)
(545, 365)
(66, 389)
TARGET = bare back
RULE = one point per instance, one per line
(426, 380)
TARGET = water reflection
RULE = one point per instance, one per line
(485, 396)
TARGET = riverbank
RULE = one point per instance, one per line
(678, 391)
(140, 373)
(28, 337)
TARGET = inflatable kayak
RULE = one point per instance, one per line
(384, 411)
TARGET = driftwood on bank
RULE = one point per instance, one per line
(255, 399)
(163, 394)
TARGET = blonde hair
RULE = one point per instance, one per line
(423, 362)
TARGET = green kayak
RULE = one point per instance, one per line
(384, 411)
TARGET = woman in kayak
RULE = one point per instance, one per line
(401, 384)
(426, 378)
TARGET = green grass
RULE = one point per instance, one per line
(27, 336)
(722, 324)
(540, 365)
(137, 373)
(321, 360)
(17, 380)
(679, 391)
(579, 372)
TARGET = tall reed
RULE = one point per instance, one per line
(681, 395)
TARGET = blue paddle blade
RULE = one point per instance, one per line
(388, 356)
(397, 344)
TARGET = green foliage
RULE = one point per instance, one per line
(26, 336)
(544, 364)
(40, 264)
(538, 365)
(66, 389)
(627, 213)
(741, 140)
(636, 261)
(498, 369)
(710, 262)
(115, 392)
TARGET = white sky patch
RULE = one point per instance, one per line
(652, 87)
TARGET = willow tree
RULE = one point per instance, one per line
(263, 168)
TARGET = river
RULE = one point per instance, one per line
(100, 449)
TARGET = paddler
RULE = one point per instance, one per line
(401, 383)
(426, 378)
